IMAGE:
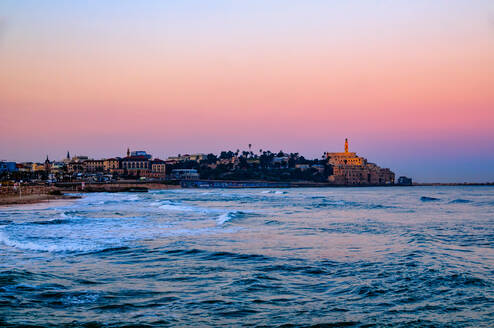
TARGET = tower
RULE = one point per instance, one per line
(68, 155)
(128, 152)
(346, 145)
(47, 164)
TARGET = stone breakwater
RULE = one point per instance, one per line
(7, 191)
(114, 187)
(10, 195)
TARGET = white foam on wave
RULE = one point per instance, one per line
(276, 192)
(225, 217)
(188, 208)
(48, 247)
(172, 207)
(86, 298)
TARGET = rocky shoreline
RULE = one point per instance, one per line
(32, 199)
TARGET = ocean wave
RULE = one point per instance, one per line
(118, 249)
(187, 208)
(65, 298)
(429, 199)
(272, 222)
(274, 192)
(180, 207)
(14, 277)
(53, 221)
(236, 256)
(349, 204)
(228, 217)
(60, 247)
(460, 201)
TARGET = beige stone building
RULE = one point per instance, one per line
(93, 165)
(111, 164)
(350, 169)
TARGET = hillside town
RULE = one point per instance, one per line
(333, 168)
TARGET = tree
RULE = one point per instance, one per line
(211, 158)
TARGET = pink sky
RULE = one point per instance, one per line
(401, 81)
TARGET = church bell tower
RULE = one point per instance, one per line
(346, 145)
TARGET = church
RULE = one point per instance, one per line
(350, 169)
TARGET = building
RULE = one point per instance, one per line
(350, 169)
(57, 167)
(135, 165)
(196, 157)
(158, 169)
(185, 174)
(79, 159)
(37, 167)
(404, 181)
(345, 158)
(111, 164)
(140, 153)
(186, 158)
(7, 166)
(93, 165)
(67, 159)
(280, 162)
(320, 168)
(302, 167)
(47, 164)
(24, 167)
(158, 166)
(73, 167)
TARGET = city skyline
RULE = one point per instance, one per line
(410, 84)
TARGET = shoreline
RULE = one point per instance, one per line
(34, 199)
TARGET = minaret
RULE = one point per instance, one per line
(128, 152)
(346, 145)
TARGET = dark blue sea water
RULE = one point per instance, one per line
(327, 257)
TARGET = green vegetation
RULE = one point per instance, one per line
(267, 166)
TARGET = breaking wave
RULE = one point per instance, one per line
(52, 246)
(228, 217)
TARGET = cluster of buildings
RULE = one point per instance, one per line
(350, 169)
(136, 164)
(337, 168)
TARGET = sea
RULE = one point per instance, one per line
(300, 257)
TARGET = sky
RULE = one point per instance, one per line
(410, 83)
